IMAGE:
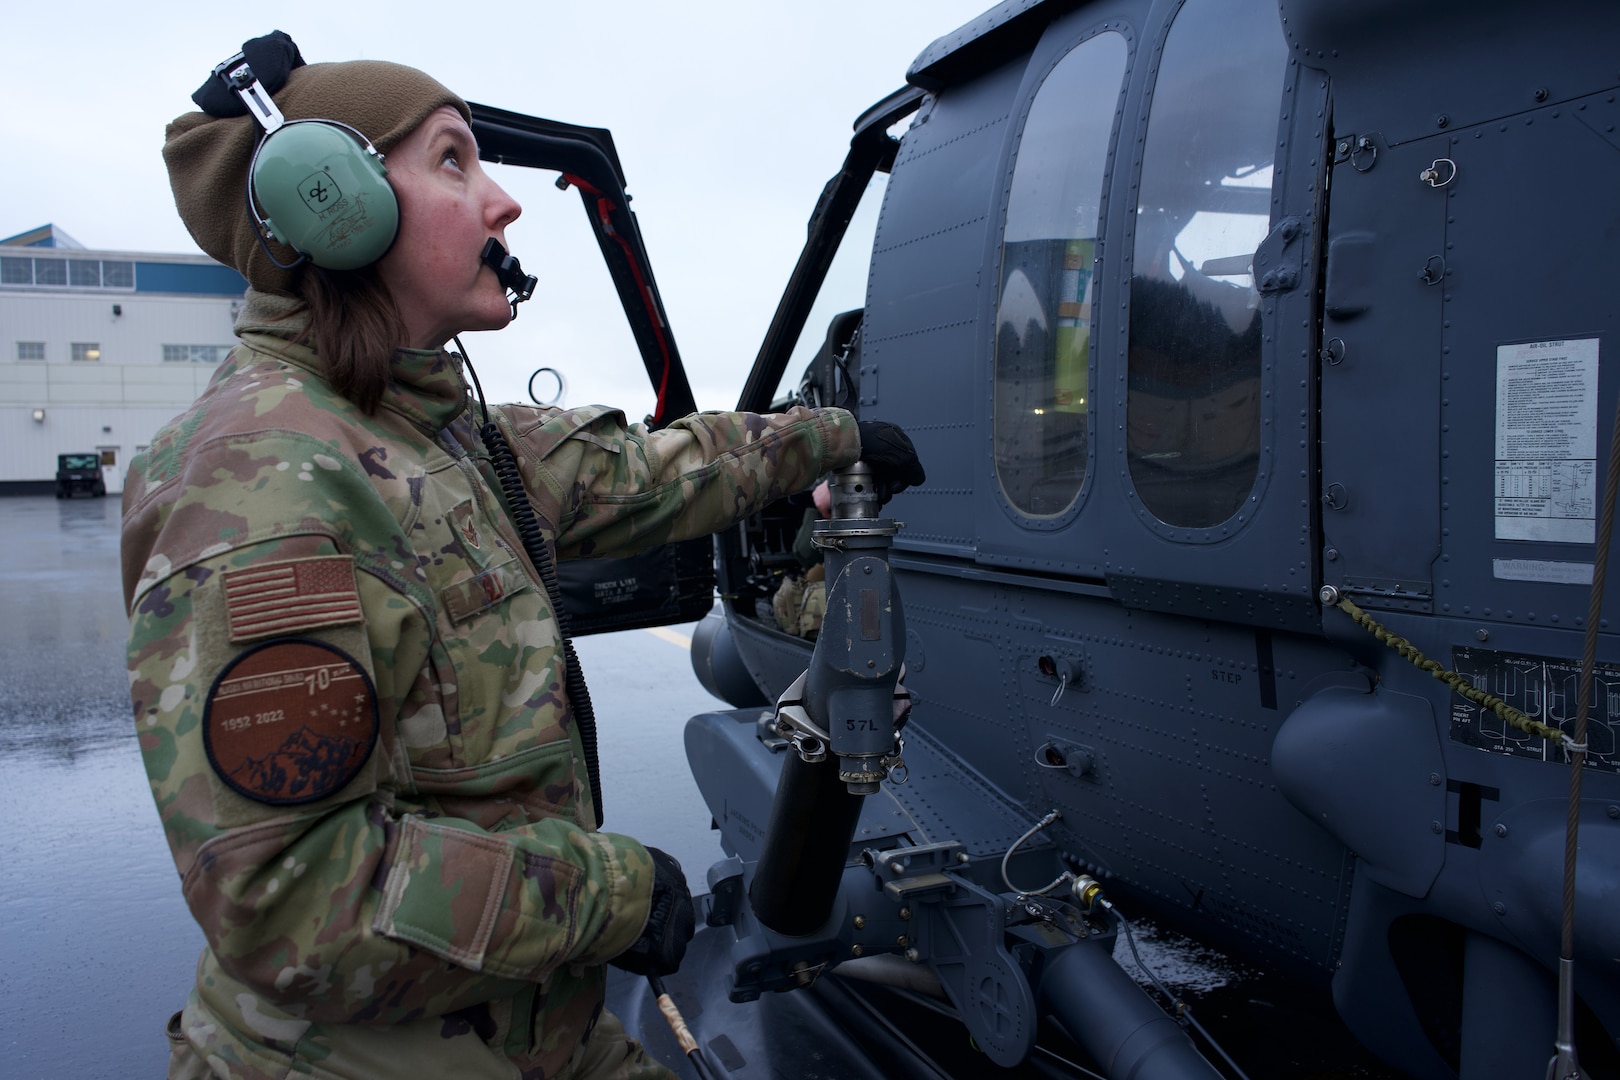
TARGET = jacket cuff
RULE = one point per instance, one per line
(625, 900)
(840, 441)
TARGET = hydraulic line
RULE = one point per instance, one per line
(1066, 876)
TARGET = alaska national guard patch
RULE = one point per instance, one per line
(290, 721)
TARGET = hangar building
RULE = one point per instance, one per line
(99, 348)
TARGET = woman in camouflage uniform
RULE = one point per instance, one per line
(347, 680)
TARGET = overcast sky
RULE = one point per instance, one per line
(729, 117)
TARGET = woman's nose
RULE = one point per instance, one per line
(502, 209)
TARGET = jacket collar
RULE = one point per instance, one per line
(425, 385)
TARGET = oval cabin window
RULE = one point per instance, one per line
(1194, 402)
(1049, 246)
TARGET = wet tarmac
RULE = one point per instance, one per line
(96, 945)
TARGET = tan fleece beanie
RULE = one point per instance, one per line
(208, 157)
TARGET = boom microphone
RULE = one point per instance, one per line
(509, 272)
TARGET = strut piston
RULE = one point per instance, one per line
(842, 716)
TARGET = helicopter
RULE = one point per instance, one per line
(1254, 349)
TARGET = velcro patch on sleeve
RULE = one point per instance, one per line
(291, 596)
(467, 598)
(290, 721)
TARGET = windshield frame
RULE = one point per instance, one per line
(588, 161)
(871, 149)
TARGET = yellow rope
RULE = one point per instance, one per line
(1457, 682)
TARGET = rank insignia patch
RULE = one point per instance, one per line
(290, 721)
(286, 597)
(465, 519)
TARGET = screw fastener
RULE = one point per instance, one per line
(1499, 907)
(1501, 830)
(860, 922)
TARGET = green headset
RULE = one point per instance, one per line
(323, 190)
(318, 186)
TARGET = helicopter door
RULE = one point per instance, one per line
(1525, 312)
(1211, 513)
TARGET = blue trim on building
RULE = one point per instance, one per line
(192, 278)
(46, 236)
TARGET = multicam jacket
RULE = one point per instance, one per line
(348, 688)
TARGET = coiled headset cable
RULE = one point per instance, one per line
(507, 472)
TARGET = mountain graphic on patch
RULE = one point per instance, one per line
(307, 763)
(290, 720)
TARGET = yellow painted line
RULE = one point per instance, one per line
(669, 635)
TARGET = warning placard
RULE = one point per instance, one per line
(1546, 441)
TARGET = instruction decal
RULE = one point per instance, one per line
(1545, 689)
(1546, 441)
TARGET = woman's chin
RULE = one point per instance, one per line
(490, 320)
(495, 318)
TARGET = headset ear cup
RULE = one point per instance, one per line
(325, 194)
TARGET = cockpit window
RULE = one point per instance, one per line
(1049, 246)
(1194, 409)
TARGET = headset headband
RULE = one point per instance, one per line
(328, 200)
(237, 75)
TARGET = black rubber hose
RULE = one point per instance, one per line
(528, 527)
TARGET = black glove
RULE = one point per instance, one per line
(890, 454)
(670, 922)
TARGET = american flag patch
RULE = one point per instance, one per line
(283, 597)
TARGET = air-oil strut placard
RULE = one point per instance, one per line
(1546, 441)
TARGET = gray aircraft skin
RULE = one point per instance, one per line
(1204, 315)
